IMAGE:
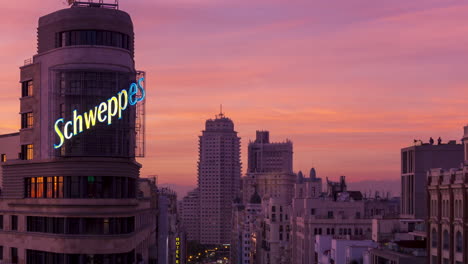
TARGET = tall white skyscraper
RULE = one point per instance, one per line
(219, 171)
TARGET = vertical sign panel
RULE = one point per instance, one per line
(140, 121)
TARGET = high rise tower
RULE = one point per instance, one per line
(270, 169)
(71, 197)
(219, 171)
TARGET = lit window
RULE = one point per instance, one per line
(27, 120)
(27, 88)
(27, 152)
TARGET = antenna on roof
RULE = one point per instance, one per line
(221, 111)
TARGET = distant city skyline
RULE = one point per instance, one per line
(349, 85)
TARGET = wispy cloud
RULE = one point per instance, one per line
(349, 83)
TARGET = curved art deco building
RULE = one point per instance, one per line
(78, 203)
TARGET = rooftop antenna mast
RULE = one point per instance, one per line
(94, 3)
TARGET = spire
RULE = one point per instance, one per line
(221, 114)
(300, 177)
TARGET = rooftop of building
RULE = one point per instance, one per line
(405, 248)
(263, 138)
(9, 135)
(112, 4)
(419, 144)
(312, 177)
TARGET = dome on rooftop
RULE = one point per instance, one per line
(312, 173)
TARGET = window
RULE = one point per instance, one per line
(1, 222)
(330, 214)
(459, 242)
(312, 211)
(14, 222)
(40, 187)
(14, 255)
(35, 256)
(446, 240)
(3, 158)
(27, 120)
(27, 152)
(1, 252)
(92, 37)
(79, 187)
(27, 88)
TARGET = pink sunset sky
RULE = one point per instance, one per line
(349, 82)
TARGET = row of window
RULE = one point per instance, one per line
(43, 257)
(13, 222)
(446, 240)
(273, 217)
(13, 254)
(81, 226)
(80, 187)
(341, 231)
(92, 37)
(445, 204)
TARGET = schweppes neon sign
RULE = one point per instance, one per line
(103, 113)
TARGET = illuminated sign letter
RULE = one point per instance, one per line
(143, 93)
(101, 109)
(77, 118)
(111, 109)
(65, 130)
(90, 119)
(132, 91)
(122, 93)
(59, 133)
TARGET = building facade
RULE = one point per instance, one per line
(270, 170)
(190, 215)
(341, 251)
(10, 148)
(447, 223)
(274, 235)
(71, 195)
(171, 240)
(219, 171)
(247, 221)
(415, 162)
(337, 213)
